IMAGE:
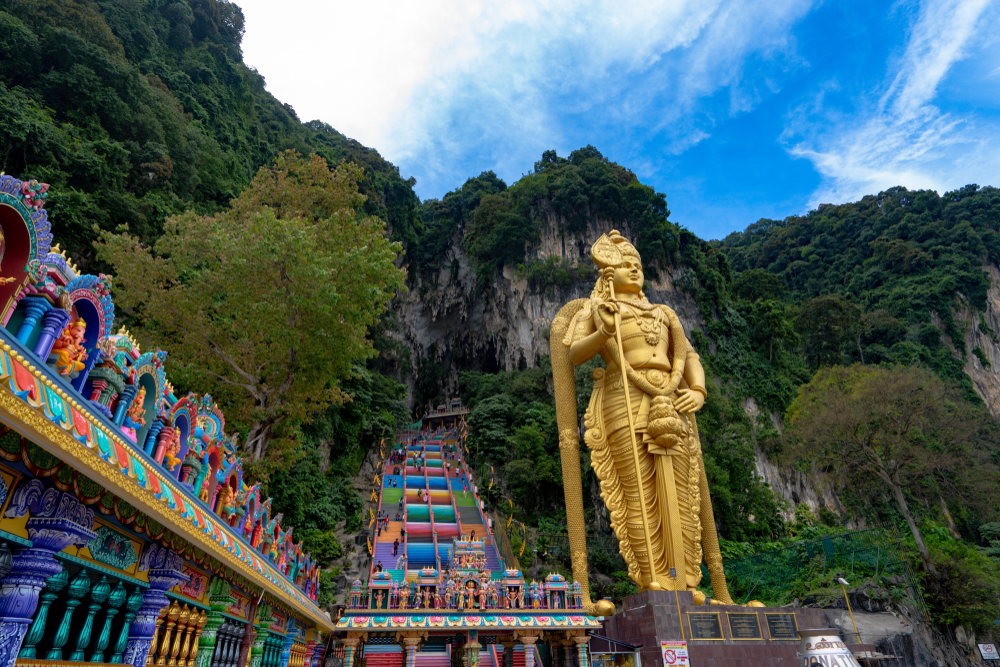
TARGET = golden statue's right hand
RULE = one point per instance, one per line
(607, 310)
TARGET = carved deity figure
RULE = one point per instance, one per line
(69, 350)
(136, 411)
(173, 449)
(640, 428)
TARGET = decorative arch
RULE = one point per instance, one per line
(27, 235)
(99, 311)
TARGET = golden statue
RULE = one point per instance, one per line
(643, 440)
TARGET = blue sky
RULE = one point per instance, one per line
(736, 109)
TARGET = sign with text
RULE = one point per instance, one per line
(743, 625)
(674, 653)
(989, 652)
(782, 626)
(705, 626)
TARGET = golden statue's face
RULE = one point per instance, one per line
(628, 276)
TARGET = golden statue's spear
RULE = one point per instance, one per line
(654, 585)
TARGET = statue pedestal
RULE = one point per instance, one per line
(724, 637)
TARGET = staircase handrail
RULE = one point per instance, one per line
(454, 505)
(378, 514)
(506, 551)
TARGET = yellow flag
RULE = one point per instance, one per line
(372, 513)
(371, 523)
(372, 551)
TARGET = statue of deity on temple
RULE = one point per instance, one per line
(136, 410)
(170, 459)
(640, 428)
(69, 351)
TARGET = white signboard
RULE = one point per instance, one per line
(989, 652)
(674, 653)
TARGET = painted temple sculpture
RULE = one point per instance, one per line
(128, 534)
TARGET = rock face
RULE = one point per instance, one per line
(985, 380)
(504, 325)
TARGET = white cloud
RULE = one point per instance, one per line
(903, 137)
(439, 82)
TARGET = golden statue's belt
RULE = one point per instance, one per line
(654, 376)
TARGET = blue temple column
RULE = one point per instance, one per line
(124, 401)
(162, 578)
(34, 308)
(154, 431)
(286, 648)
(50, 533)
(53, 322)
(93, 358)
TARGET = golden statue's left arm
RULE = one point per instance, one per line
(692, 398)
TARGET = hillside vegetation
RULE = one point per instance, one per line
(138, 109)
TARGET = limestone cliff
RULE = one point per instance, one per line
(505, 325)
(985, 379)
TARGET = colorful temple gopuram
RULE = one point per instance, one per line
(127, 532)
(439, 593)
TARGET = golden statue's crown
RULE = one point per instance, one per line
(611, 249)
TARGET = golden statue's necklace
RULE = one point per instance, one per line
(649, 318)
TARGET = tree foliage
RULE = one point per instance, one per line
(135, 110)
(265, 304)
(907, 260)
(499, 224)
(900, 429)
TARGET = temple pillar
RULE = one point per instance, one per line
(128, 392)
(190, 649)
(53, 322)
(257, 648)
(286, 646)
(569, 651)
(98, 387)
(115, 600)
(529, 650)
(219, 599)
(98, 596)
(508, 651)
(50, 530)
(410, 645)
(142, 631)
(53, 585)
(317, 656)
(154, 431)
(472, 648)
(34, 308)
(308, 655)
(131, 609)
(350, 649)
(166, 435)
(581, 650)
(93, 358)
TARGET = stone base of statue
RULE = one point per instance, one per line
(716, 635)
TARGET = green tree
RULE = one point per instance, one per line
(902, 428)
(826, 323)
(266, 304)
(757, 284)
